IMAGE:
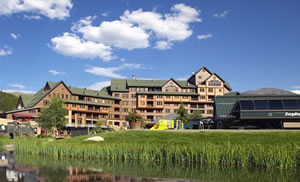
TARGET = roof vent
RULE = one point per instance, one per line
(133, 77)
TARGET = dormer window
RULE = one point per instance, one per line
(199, 77)
(214, 83)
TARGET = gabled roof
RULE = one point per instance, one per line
(92, 93)
(42, 93)
(173, 81)
(215, 74)
(199, 71)
(122, 85)
(26, 99)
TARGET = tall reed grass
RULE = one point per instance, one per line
(229, 153)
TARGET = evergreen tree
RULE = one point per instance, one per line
(196, 115)
(54, 115)
(183, 114)
(8, 102)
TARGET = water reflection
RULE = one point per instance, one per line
(29, 168)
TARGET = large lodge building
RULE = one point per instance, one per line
(152, 99)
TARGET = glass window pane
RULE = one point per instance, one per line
(290, 104)
(261, 104)
(275, 104)
(247, 105)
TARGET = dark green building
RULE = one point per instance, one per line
(236, 110)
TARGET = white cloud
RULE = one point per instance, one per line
(54, 72)
(5, 51)
(51, 8)
(15, 36)
(122, 59)
(18, 86)
(173, 27)
(32, 17)
(296, 91)
(71, 45)
(112, 71)
(296, 87)
(22, 91)
(134, 30)
(163, 45)
(99, 85)
(116, 33)
(207, 36)
(105, 14)
(221, 15)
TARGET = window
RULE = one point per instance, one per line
(261, 104)
(82, 106)
(290, 104)
(73, 105)
(125, 103)
(167, 110)
(125, 96)
(125, 109)
(117, 109)
(175, 110)
(220, 90)
(117, 95)
(185, 97)
(133, 103)
(133, 95)
(202, 90)
(275, 104)
(49, 95)
(159, 96)
(214, 83)
(45, 102)
(158, 111)
(210, 90)
(142, 102)
(247, 105)
(168, 97)
(199, 77)
(202, 97)
(67, 96)
(142, 96)
(159, 103)
(210, 111)
(210, 105)
(176, 97)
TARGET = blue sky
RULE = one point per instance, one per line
(251, 44)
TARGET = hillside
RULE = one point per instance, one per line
(265, 91)
(20, 93)
(7, 101)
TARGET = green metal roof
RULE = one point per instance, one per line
(26, 99)
(167, 93)
(224, 104)
(122, 85)
(92, 93)
(21, 110)
(85, 103)
(118, 86)
(41, 93)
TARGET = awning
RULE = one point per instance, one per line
(24, 115)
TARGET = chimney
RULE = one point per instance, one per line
(84, 90)
(70, 86)
(133, 77)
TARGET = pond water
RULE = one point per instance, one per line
(29, 168)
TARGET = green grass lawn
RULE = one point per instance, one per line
(264, 149)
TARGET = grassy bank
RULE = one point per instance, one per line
(259, 149)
